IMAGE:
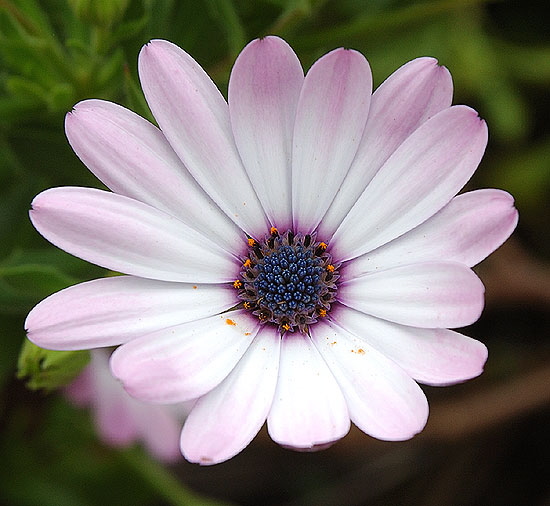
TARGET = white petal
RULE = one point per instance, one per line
(431, 356)
(331, 116)
(410, 96)
(263, 93)
(133, 158)
(194, 117)
(227, 418)
(128, 236)
(308, 408)
(430, 295)
(466, 230)
(184, 362)
(382, 399)
(421, 176)
(111, 311)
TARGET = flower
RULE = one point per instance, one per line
(120, 419)
(295, 254)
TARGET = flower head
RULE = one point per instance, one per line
(296, 254)
(120, 419)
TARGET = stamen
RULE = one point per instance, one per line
(288, 280)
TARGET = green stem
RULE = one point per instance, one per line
(161, 480)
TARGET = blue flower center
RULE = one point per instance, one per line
(288, 280)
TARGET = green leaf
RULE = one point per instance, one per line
(48, 369)
(111, 70)
(135, 99)
(224, 12)
(26, 276)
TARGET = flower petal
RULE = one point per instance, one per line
(194, 117)
(121, 420)
(227, 418)
(114, 421)
(128, 236)
(466, 230)
(331, 116)
(159, 428)
(409, 97)
(111, 311)
(263, 94)
(186, 361)
(430, 295)
(382, 399)
(421, 176)
(133, 158)
(308, 408)
(430, 356)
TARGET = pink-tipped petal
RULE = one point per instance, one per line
(466, 230)
(308, 408)
(331, 116)
(429, 295)
(410, 96)
(81, 391)
(133, 158)
(227, 418)
(194, 117)
(430, 356)
(122, 420)
(113, 413)
(127, 236)
(159, 428)
(416, 181)
(111, 311)
(263, 94)
(184, 362)
(382, 399)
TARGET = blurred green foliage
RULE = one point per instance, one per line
(54, 53)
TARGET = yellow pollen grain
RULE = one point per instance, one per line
(330, 268)
(247, 305)
(247, 263)
(323, 245)
(322, 312)
(273, 231)
(237, 284)
(194, 287)
(229, 321)
(286, 326)
(251, 242)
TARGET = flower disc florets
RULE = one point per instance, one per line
(288, 280)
